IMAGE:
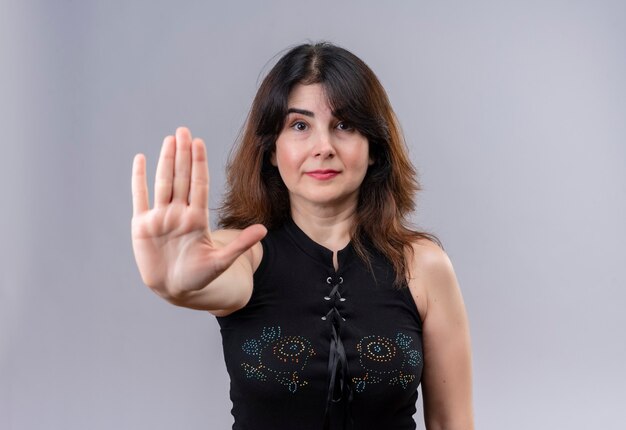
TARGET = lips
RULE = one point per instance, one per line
(323, 174)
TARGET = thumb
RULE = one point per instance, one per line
(246, 239)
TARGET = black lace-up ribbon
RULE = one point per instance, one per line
(338, 386)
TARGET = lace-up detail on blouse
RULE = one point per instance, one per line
(339, 383)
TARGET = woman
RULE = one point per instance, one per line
(332, 311)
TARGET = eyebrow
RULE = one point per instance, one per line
(301, 112)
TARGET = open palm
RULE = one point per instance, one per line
(172, 243)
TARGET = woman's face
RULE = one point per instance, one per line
(321, 159)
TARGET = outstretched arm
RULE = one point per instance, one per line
(176, 254)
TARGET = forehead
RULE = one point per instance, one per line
(311, 96)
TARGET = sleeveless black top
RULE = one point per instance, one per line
(316, 348)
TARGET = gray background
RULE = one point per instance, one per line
(515, 117)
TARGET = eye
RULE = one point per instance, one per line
(344, 126)
(299, 126)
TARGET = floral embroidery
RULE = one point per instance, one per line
(385, 359)
(278, 357)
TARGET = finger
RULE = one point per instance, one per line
(182, 165)
(243, 242)
(139, 185)
(165, 173)
(199, 187)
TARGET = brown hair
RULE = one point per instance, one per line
(255, 191)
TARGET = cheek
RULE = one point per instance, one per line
(288, 157)
(360, 156)
(286, 162)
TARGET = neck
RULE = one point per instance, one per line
(330, 227)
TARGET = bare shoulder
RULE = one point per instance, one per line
(431, 275)
(427, 253)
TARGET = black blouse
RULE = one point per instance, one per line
(316, 348)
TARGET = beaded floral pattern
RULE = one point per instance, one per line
(279, 358)
(386, 360)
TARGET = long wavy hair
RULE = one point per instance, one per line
(255, 192)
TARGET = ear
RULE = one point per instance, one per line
(273, 159)
(370, 161)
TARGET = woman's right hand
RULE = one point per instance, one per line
(174, 249)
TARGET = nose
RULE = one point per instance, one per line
(323, 146)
